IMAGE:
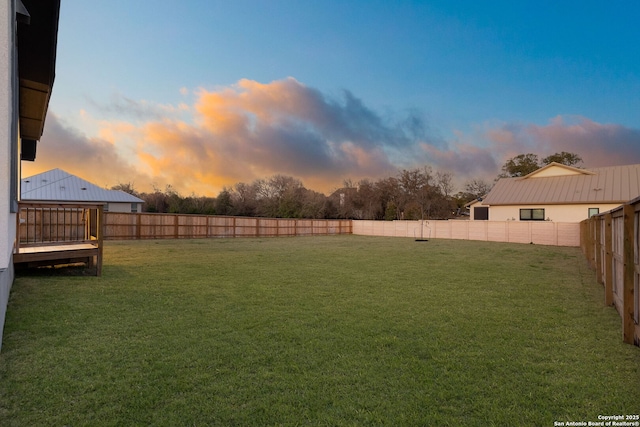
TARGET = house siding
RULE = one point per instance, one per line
(8, 139)
(7, 131)
(123, 207)
(556, 213)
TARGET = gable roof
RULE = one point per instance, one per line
(559, 184)
(556, 169)
(60, 186)
(474, 201)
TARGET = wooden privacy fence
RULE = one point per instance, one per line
(537, 232)
(129, 226)
(610, 242)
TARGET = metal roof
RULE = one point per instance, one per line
(559, 184)
(60, 186)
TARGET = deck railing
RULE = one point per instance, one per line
(611, 244)
(57, 223)
(46, 231)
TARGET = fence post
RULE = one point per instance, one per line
(138, 226)
(175, 226)
(608, 260)
(598, 249)
(628, 323)
(100, 238)
(590, 242)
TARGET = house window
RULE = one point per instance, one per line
(481, 213)
(531, 214)
(106, 207)
(134, 207)
(593, 211)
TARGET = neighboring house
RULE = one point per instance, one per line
(28, 40)
(60, 186)
(559, 193)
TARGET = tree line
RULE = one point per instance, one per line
(418, 193)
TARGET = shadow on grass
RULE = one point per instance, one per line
(60, 270)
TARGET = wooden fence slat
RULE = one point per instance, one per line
(598, 249)
(608, 261)
(628, 324)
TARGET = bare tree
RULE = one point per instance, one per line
(368, 200)
(244, 199)
(127, 187)
(389, 194)
(444, 183)
(224, 203)
(477, 188)
(417, 193)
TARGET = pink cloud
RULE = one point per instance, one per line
(598, 144)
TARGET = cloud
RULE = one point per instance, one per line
(253, 130)
(481, 153)
(465, 160)
(139, 110)
(286, 127)
(598, 144)
(93, 158)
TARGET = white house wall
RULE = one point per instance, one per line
(7, 132)
(556, 213)
(123, 207)
(7, 219)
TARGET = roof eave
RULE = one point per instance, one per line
(580, 202)
(555, 164)
(37, 43)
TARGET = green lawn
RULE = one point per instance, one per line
(337, 330)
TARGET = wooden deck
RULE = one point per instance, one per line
(59, 234)
(86, 253)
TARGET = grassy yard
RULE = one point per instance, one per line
(337, 330)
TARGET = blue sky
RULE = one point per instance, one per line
(205, 94)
